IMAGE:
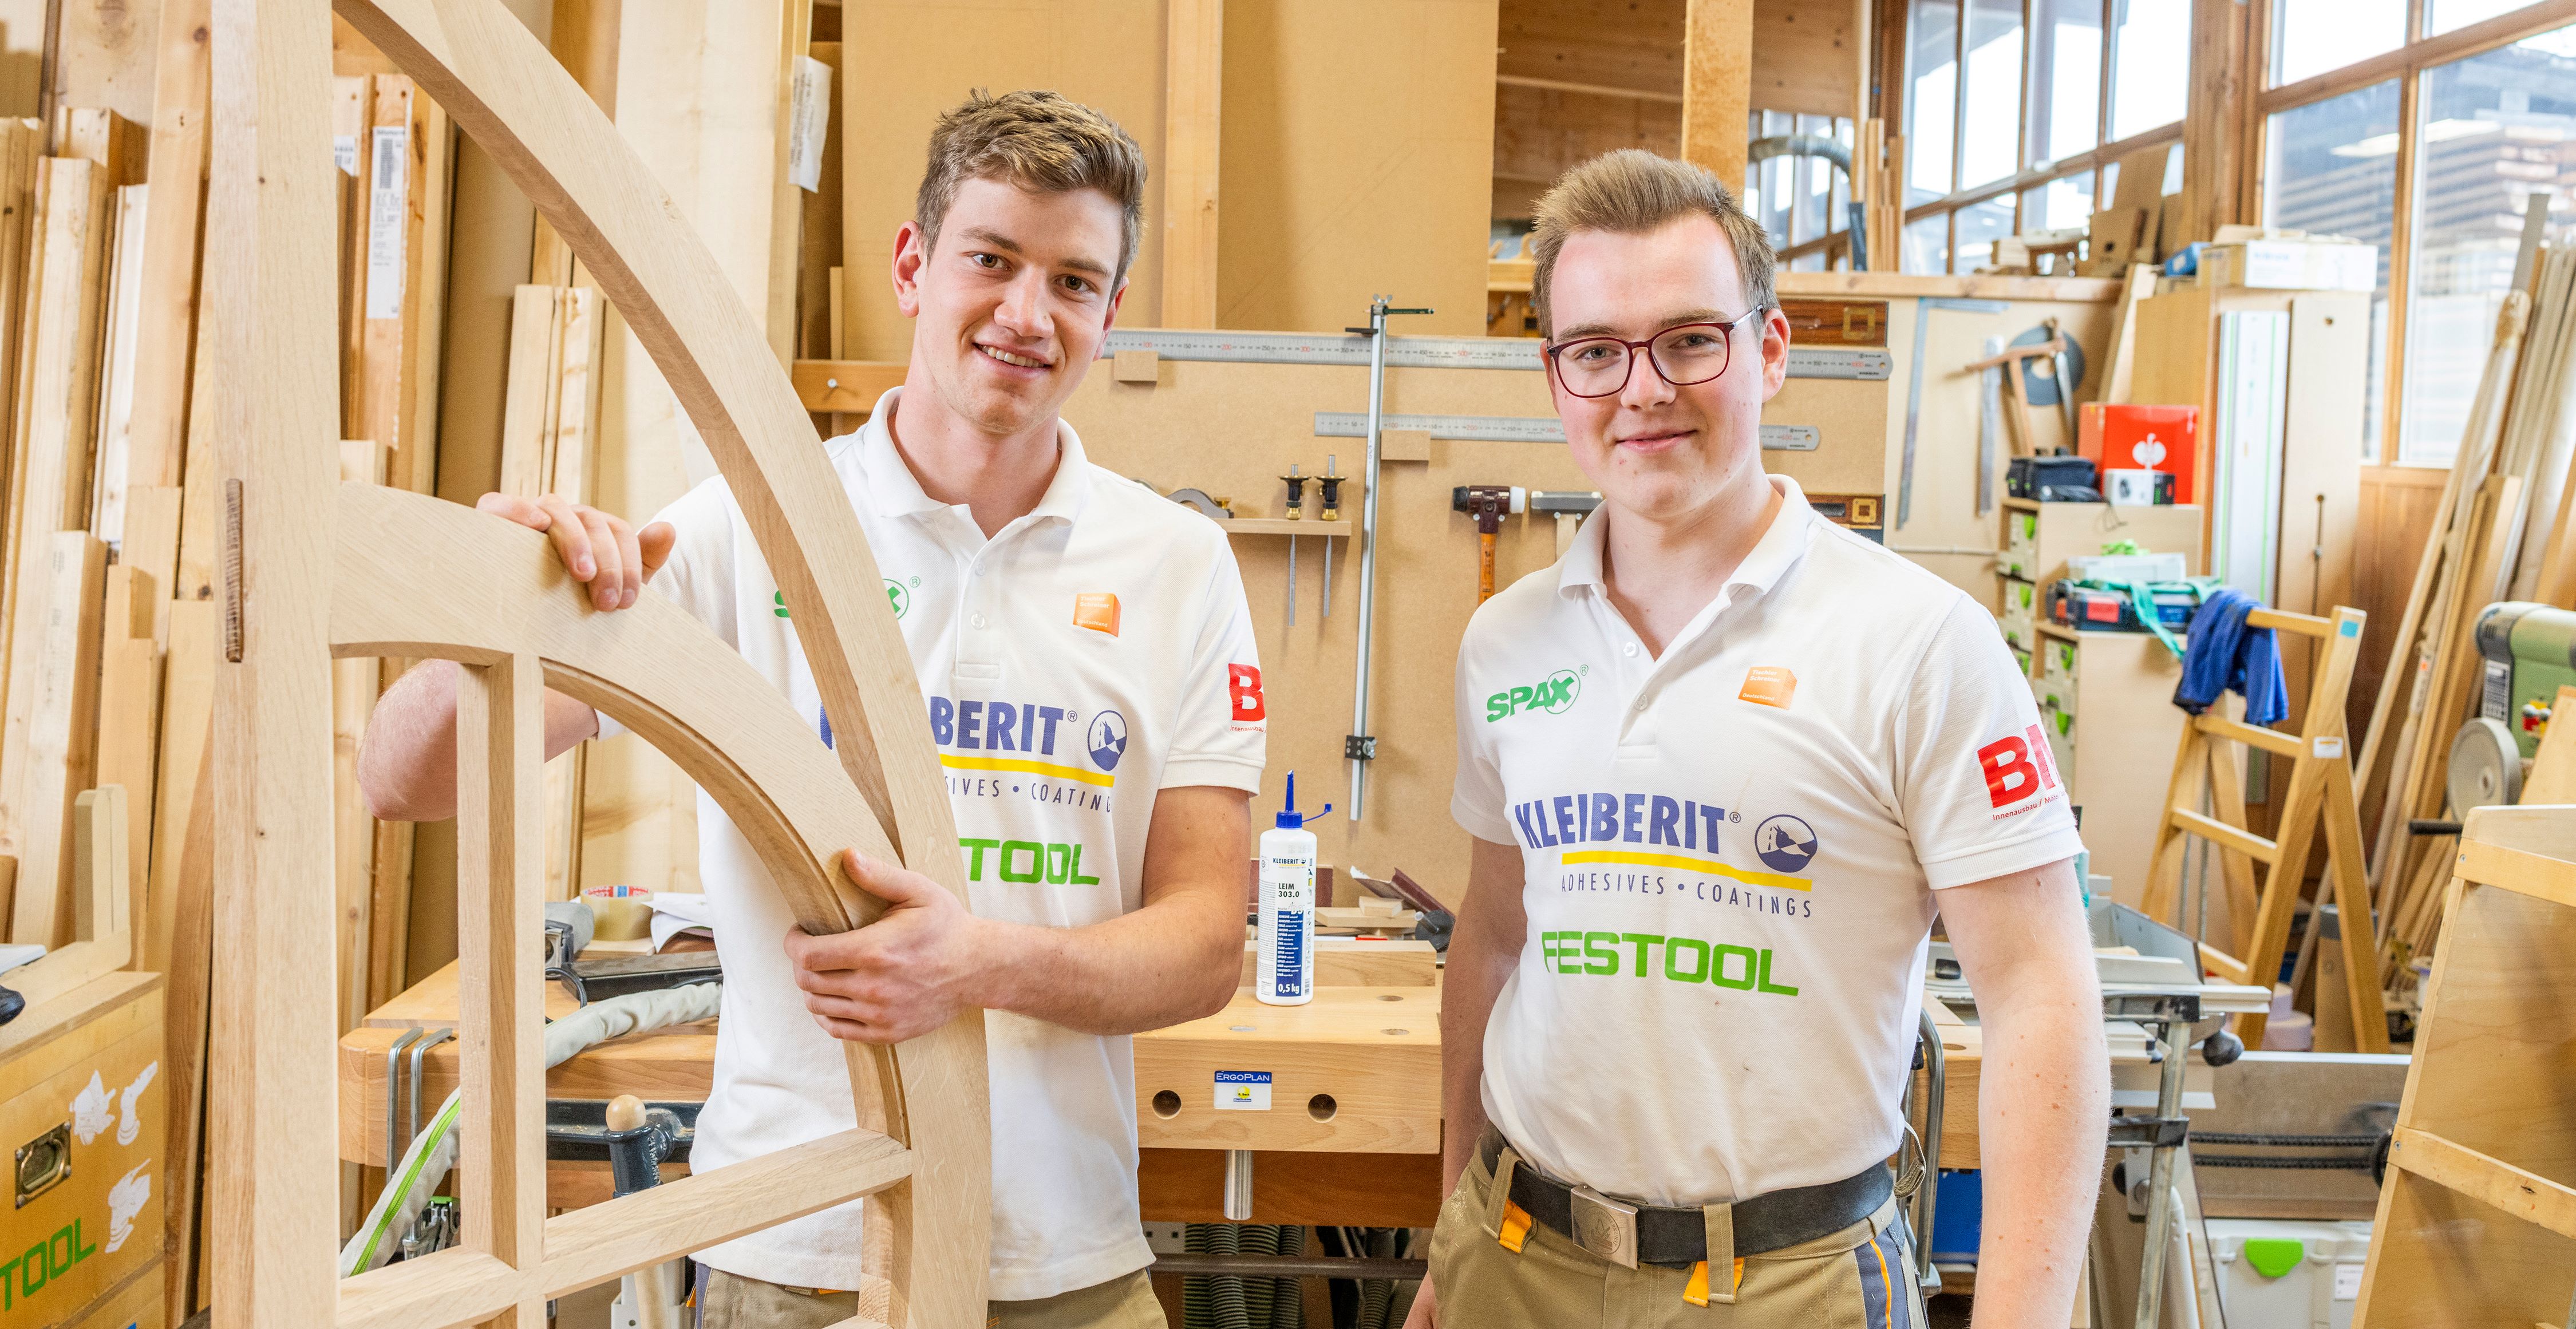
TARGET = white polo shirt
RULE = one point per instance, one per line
(1731, 854)
(1056, 738)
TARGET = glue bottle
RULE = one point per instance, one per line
(1285, 973)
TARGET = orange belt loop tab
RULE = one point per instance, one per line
(1696, 1290)
(1516, 1226)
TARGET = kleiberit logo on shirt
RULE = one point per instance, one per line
(1785, 843)
(1675, 849)
(2019, 774)
(1552, 694)
(1108, 739)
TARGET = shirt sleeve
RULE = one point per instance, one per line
(1222, 733)
(698, 576)
(1976, 785)
(1476, 799)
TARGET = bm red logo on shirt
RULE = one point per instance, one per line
(2017, 767)
(1244, 682)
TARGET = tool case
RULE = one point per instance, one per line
(2052, 479)
(2096, 606)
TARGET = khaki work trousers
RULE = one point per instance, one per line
(1856, 1278)
(730, 1301)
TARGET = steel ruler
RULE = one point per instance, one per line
(1522, 429)
(1297, 348)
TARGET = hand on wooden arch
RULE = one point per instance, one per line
(414, 576)
(466, 587)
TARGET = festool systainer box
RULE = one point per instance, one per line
(82, 1107)
(2286, 1273)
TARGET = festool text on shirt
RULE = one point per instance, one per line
(1575, 952)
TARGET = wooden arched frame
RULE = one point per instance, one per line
(312, 571)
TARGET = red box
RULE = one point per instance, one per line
(2145, 438)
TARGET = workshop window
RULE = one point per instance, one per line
(2332, 169)
(2011, 129)
(2430, 150)
(1799, 186)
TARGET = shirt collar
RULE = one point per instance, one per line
(897, 492)
(1783, 542)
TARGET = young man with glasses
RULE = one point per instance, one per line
(1682, 999)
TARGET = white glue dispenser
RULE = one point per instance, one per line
(1284, 975)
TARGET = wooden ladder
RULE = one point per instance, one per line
(2477, 1222)
(2321, 792)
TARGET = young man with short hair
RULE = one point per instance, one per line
(1682, 998)
(1089, 667)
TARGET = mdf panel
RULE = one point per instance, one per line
(1357, 160)
(1106, 54)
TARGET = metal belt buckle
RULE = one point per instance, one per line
(1605, 1227)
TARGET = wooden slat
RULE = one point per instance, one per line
(165, 333)
(272, 1204)
(123, 324)
(2221, 964)
(500, 739)
(129, 721)
(58, 405)
(186, 958)
(413, 462)
(534, 329)
(58, 665)
(593, 1245)
(187, 704)
(1193, 105)
(2270, 740)
(2282, 620)
(2525, 1195)
(2530, 874)
(2226, 836)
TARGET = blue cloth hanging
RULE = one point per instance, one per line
(2222, 654)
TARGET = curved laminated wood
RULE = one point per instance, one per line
(414, 576)
(420, 579)
(505, 91)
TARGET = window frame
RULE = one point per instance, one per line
(2408, 65)
(2032, 175)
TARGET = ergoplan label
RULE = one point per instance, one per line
(1243, 1091)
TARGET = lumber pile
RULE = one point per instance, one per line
(112, 546)
(2503, 532)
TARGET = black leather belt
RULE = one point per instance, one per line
(1679, 1237)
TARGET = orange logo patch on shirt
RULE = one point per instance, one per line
(1768, 685)
(1096, 610)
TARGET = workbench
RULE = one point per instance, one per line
(1351, 1136)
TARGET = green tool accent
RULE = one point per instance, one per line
(2274, 1256)
(2119, 547)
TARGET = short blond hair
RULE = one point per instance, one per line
(1633, 191)
(1041, 141)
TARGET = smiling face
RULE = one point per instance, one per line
(1012, 303)
(1652, 448)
